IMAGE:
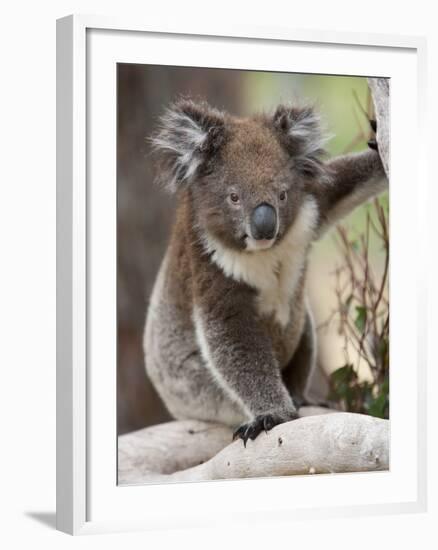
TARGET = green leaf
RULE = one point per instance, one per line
(343, 375)
(361, 318)
(378, 405)
(366, 391)
(384, 388)
(342, 383)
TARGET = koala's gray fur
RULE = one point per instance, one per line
(229, 335)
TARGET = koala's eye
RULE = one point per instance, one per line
(234, 198)
(283, 195)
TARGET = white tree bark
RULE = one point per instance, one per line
(198, 451)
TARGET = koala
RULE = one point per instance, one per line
(229, 335)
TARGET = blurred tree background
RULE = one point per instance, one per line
(145, 213)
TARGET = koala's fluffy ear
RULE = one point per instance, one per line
(188, 136)
(300, 132)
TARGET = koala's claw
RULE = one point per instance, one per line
(372, 144)
(262, 422)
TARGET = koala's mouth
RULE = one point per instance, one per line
(252, 245)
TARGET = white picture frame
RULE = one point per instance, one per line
(88, 499)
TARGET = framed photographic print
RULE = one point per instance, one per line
(232, 207)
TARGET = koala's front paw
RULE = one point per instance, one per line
(261, 422)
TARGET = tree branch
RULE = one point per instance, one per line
(197, 451)
(380, 92)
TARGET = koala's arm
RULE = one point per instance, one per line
(240, 355)
(351, 180)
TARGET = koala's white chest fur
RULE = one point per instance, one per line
(275, 272)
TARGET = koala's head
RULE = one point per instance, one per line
(246, 177)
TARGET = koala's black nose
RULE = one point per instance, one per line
(263, 222)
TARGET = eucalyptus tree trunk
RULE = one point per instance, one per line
(380, 92)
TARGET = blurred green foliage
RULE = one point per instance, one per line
(333, 96)
(362, 312)
(359, 396)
